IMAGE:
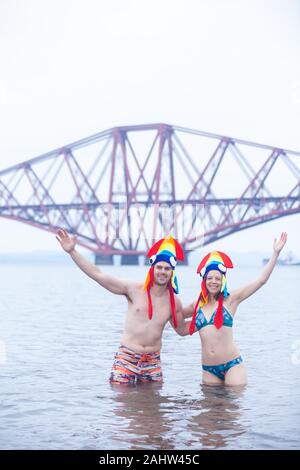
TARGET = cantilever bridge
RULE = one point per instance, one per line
(123, 188)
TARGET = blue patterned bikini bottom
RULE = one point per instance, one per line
(221, 369)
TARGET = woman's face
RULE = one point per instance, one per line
(213, 282)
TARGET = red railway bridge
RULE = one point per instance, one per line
(123, 188)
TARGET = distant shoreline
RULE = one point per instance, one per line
(251, 259)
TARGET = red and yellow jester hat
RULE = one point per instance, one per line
(169, 250)
(215, 260)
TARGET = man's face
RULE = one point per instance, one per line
(162, 273)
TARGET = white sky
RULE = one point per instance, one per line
(71, 68)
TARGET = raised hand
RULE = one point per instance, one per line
(279, 244)
(67, 243)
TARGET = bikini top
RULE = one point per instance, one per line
(201, 321)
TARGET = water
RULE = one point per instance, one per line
(58, 334)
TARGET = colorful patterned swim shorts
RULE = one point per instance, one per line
(130, 367)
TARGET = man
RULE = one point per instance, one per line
(150, 307)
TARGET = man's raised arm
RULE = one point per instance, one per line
(114, 285)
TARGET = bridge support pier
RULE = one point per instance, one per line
(130, 260)
(185, 262)
(102, 259)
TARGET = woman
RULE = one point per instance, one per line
(213, 315)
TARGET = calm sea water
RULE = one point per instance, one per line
(58, 334)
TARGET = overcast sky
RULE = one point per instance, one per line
(71, 68)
